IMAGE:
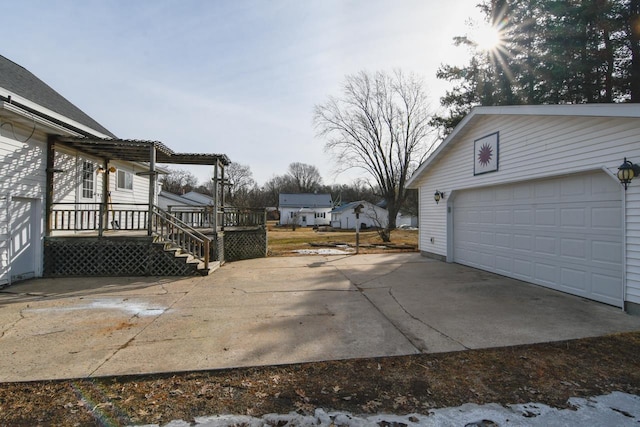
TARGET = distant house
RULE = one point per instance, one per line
(344, 216)
(169, 201)
(305, 209)
(406, 220)
(199, 198)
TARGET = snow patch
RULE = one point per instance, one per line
(615, 409)
(324, 251)
(133, 308)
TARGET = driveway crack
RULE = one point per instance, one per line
(417, 319)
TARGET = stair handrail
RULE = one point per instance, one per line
(161, 217)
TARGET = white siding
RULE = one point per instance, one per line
(533, 147)
(140, 191)
(22, 174)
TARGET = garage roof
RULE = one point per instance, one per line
(575, 110)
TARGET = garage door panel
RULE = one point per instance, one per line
(606, 218)
(605, 286)
(503, 264)
(503, 240)
(546, 245)
(503, 217)
(606, 252)
(522, 242)
(573, 248)
(522, 216)
(573, 279)
(546, 217)
(573, 217)
(545, 190)
(546, 273)
(561, 237)
(575, 186)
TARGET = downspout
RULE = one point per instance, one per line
(624, 235)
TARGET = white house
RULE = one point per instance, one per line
(61, 172)
(30, 112)
(344, 216)
(305, 209)
(531, 192)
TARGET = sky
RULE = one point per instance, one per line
(234, 77)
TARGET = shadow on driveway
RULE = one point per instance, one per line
(277, 311)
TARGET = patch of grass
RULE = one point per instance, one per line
(284, 240)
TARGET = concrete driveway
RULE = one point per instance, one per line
(279, 310)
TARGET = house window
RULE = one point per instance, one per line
(321, 215)
(88, 180)
(292, 214)
(125, 180)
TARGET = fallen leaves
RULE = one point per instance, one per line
(547, 373)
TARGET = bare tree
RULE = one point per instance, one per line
(379, 124)
(241, 183)
(307, 177)
(179, 181)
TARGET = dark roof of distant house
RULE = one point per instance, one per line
(305, 200)
(351, 206)
(22, 82)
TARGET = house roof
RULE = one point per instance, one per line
(304, 200)
(177, 198)
(478, 113)
(351, 206)
(20, 81)
(198, 197)
(36, 98)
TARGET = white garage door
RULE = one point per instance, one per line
(563, 233)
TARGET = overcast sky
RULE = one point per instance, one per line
(237, 77)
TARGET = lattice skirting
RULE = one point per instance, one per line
(111, 256)
(245, 244)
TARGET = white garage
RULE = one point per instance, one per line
(531, 192)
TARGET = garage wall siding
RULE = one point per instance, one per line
(533, 147)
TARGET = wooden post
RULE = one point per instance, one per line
(222, 183)
(102, 220)
(48, 197)
(152, 186)
(215, 197)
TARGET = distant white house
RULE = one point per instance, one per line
(169, 201)
(305, 209)
(406, 220)
(199, 198)
(344, 217)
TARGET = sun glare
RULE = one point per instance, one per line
(487, 38)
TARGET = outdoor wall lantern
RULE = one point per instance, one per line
(627, 171)
(101, 170)
(438, 195)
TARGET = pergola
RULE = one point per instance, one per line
(143, 151)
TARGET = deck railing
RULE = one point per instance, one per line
(98, 216)
(236, 217)
(202, 217)
(135, 216)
